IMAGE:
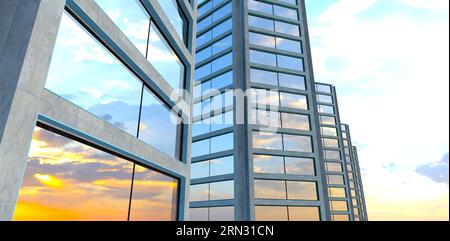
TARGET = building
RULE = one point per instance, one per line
(88, 92)
(276, 150)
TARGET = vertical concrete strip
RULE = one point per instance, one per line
(28, 33)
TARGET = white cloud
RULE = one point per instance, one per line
(392, 72)
(438, 5)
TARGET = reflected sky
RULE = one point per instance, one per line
(67, 180)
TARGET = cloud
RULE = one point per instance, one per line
(391, 73)
(437, 171)
(437, 5)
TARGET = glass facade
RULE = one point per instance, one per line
(66, 180)
(213, 114)
(109, 143)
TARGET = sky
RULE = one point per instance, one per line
(389, 62)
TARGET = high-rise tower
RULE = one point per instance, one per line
(258, 152)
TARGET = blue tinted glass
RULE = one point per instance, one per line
(259, 57)
(200, 148)
(203, 9)
(222, 28)
(263, 77)
(200, 170)
(221, 190)
(222, 166)
(164, 59)
(203, 71)
(262, 40)
(222, 80)
(292, 81)
(131, 19)
(285, 12)
(290, 63)
(222, 143)
(159, 127)
(204, 23)
(204, 38)
(222, 121)
(222, 12)
(202, 55)
(289, 45)
(260, 7)
(287, 28)
(262, 23)
(110, 91)
(222, 62)
(222, 44)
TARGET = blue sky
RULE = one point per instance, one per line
(389, 61)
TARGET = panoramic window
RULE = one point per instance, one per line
(158, 126)
(111, 91)
(165, 60)
(131, 18)
(176, 17)
(65, 180)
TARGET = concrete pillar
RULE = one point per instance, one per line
(28, 32)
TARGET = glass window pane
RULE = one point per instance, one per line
(263, 58)
(131, 18)
(262, 40)
(292, 81)
(111, 92)
(339, 206)
(333, 167)
(300, 166)
(264, 98)
(221, 190)
(332, 155)
(221, 214)
(198, 214)
(263, 77)
(268, 213)
(335, 179)
(295, 121)
(327, 120)
(268, 164)
(159, 127)
(266, 118)
(341, 218)
(165, 60)
(200, 170)
(222, 44)
(199, 192)
(65, 180)
(260, 7)
(154, 196)
(222, 28)
(289, 45)
(266, 140)
(269, 189)
(325, 99)
(176, 16)
(332, 143)
(297, 143)
(337, 192)
(293, 101)
(222, 166)
(200, 148)
(329, 131)
(288, 62)
(222, 143)
(285, 12)
(304, 214)
(287, 28)
(262, 23)
(326, 109)
(301, 190)
(323, 88)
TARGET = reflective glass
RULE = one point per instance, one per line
(268, 164)
(262, 23)
(285, 12)
(289, 45)
(165, 60)
(292, 81)
(270, 189)
(335, 179)
(337, 192)
(294, 101)
(221, 214)
(297, 143)
(332, 143)
(262, 40)
(333, 167)
(301, 190)
(287, 28)
(154, 196)
(266, 140)
(295, 121)
(222, 166)
(327, 120)
(221, 190)
(304, 214)
(176, 16)
(339, 206)
(198, 214)
(131, 18)
(271, 213)
(111, 91)
(199, 192)
(65, 180)
(329, 131)
(263, 77)
(300, 166)
(158, 126)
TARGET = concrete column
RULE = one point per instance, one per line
(28, 32)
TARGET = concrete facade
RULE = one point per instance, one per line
(28, 31)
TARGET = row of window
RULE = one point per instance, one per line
(272, 9)
(283, 165)
(212, 214)
(278, 141)
(214, 33)
(216, 65)
(135, 22)
(277, 79)
(213, 145)
(99, 83)
(292, 30)
(263, 98)
(215, 17)
(275, 42)
(66, 180)
(214, 167)
(285, 190)
(276, 60)
(212, 191)
(286, 213)
(215, 123)
(280, 120)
